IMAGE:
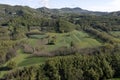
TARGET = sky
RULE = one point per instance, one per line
(94, 5)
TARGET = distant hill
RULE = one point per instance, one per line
(7, 10)
(115, 13)
(12, 10)
(76, 10)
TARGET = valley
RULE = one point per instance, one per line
(58, 44)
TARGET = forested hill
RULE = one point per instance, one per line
(58, 44)
(11, 11)
(20, 10)
(76, 10)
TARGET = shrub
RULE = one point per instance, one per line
(27, 49)
(65, 26)
(11, 65)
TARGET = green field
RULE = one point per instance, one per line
(23, 59)
(81, 38)
(32, 61)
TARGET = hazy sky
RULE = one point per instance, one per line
(95, 5)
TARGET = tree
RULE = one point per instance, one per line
(11, 65)
(65, 26)
(107, 69)
(51, 41)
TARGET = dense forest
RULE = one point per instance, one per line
(58, 44)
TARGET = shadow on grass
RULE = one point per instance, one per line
(4, 68)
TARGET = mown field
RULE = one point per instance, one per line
(81, 38)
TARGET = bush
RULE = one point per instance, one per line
(11, 53)
(65, 26)
(11, 65)
(27, 49)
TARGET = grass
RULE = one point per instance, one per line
(64, 39)
(32, 61)
(2, 73)
(22, 60)
(20, 57)
(32, 42)
(79, 37)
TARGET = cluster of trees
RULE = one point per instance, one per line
(4, 33)
(77, 67)
(104, 23)
(27, 17)
(19, 25)
(44, 24)
(11, 65)
(105, 37)
(65, 26)
(6, 51)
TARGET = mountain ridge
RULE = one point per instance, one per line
(4, 8)
(76, 10)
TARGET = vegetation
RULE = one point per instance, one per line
(58, 44)
(11, 65)
(79, 67)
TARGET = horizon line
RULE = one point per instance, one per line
(55, 7)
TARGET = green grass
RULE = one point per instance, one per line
(20, 57)
(22, 60)
(32, 61)
(64, 39)
(32, 42)
(81, 38)
(2, 73)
